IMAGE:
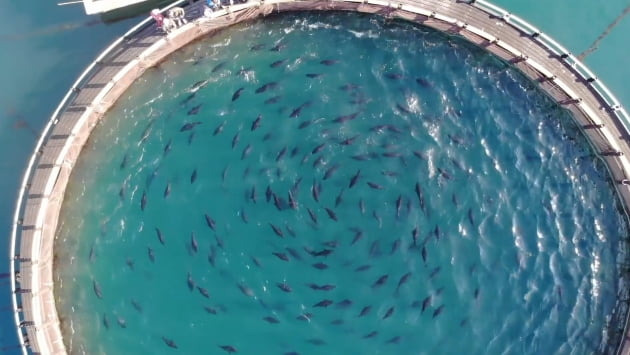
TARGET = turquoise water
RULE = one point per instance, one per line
(452, 184)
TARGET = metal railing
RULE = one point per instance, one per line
(556, 48)
(85, 76)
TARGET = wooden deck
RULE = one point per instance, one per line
(565, 79)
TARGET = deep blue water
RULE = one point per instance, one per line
(447, 203)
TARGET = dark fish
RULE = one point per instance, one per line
(329, 62)
(252, 194)
(324, 303)
(380, 281)
(393, 76)
(235, 139)
(470, 217)
(210, 310)
(219, 128)
(298, 110)
(170, 343)
(315, 191)
(394, 340)
(312, 215)
(193, 242)
(281, 153)
(228, 348)
(318, 148)
(403, 280)
(314, 75)
(268, 86)
(189, 126)
(344, 304)
(324, 252)
(389, 313)
(277, 230)
(331, 171)
(167, 147)
(316, 341)
(237, 94)
(143, 200)
(123, 163)
(91, 257)
(377, 218)
(339, 198)
(273, 100)
(319, 161)
(167, 190)
(305, 317)
(218, 67)
(278, 47)
(281, 256)
(363, 157)
(246, 151)
(438, 311)
(210, 222)
(395, 246)
(292, 202)
(268, 193)
(151, 254)
(188, 98)
(294, 253)
(365, 311)
(305, 124)
(349, 87)
(476, 293)
(345, 118)
(190, 282)
(212, 255)
(130, 263)
(105, 321)
(192, 111)
(256, 123)
(444, 173)
(374, 186)
(434, 272)
(224, 173)
(121, 322)
(203, 292)
(363, 268)
(278, 63)
(349, 141)
(243, 216)
(337, 322)
(426, 303)
(271, 320)
(97, 289)
(284, 287)
(159, 235)
(320, 266)
(193, 176)
(257, 47)
(357, 236)
(371, 334)
(136, 306)
(392, 154)
(420, 196)
(398, 205)
(246, 290)
(424, 254)
(423, 82)
(331, 214)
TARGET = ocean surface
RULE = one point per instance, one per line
(337, 184)
(45, 47)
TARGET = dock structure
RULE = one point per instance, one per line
(558, 72)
